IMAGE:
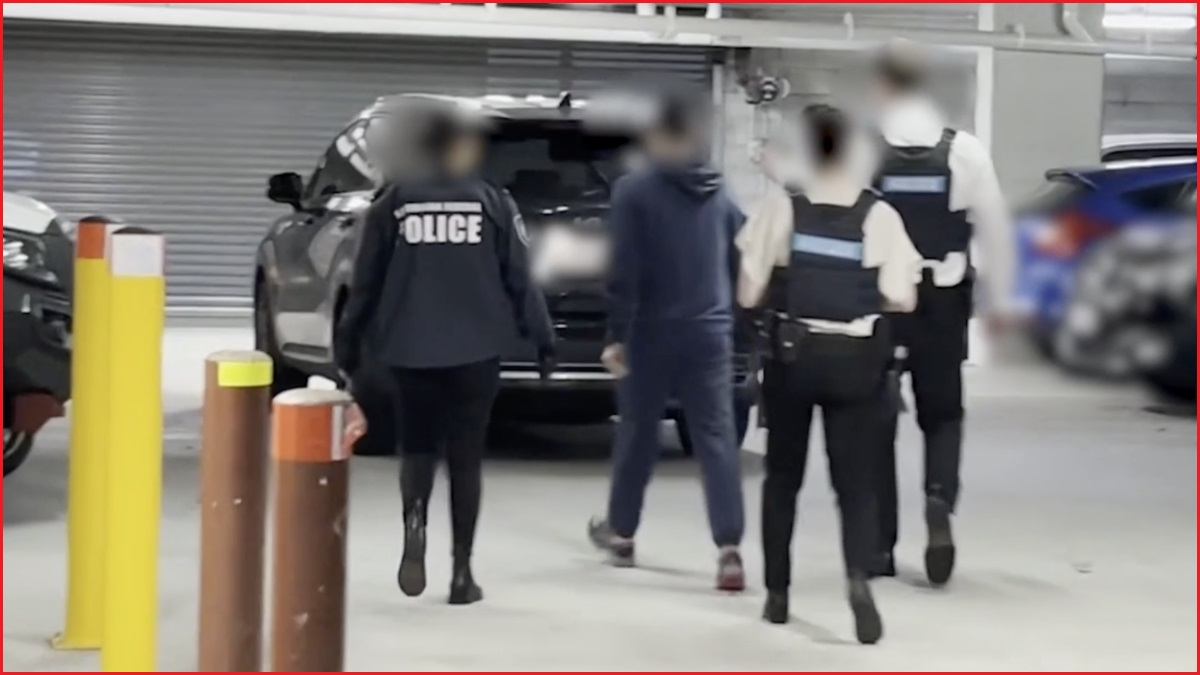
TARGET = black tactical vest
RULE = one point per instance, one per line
(826, 278)
(916, 182)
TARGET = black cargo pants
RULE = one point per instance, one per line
(845, 377)
(935, 336)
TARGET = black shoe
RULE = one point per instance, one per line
(463, 589)
(882, 565)
(868, 627)
(939, 554)
(412, 564)
(776, 609)
(620, 552)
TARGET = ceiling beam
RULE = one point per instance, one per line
(477, 21)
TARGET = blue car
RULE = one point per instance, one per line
(1076, 209)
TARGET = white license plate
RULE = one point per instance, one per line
(563, 253)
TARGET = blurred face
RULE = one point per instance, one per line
(668, 148)
(465, 154)
(882, 92)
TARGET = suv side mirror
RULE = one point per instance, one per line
(286, 188)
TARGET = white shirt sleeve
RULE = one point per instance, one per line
(886, 246)
(763, 245)
(978, 189)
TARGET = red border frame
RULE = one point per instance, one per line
(502, 2)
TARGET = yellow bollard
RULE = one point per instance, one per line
(134, 464)
(89, 434)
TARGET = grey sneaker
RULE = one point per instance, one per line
(731, 576)
(620, 551)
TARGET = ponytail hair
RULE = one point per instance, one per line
(828, 132)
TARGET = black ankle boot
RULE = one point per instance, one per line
(463, 589)
(868, 627)
(412, 564)
(940, 551)
(882, 565)
(776, 609)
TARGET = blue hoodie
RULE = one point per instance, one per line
(674, 260)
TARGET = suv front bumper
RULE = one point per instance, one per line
(574, 386)
(37, 351)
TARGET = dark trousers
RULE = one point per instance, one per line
(693, 361)
(844, 376)
(446, 411)
(936, 338)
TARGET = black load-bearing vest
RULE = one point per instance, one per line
(916, 181)
(826, 278)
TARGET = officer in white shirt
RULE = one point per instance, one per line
(825, 263)
(944, 185)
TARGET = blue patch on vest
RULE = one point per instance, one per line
(926, 185)
(827, 246)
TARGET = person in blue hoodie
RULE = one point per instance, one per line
(671, 331)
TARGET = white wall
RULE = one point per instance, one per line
(1150, 102)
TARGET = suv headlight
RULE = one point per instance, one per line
(26, 255)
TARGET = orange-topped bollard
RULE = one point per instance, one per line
(311, 439)
(83, 628)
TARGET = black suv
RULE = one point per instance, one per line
(560, 175)
(38, 276)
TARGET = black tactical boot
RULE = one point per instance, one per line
(416, 484)
(776, 608)
(939, 553)
(412, 564)
(463, 589)
(868, 627)
(882, 565)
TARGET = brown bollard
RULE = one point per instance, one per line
(311, 451)
(233, 497)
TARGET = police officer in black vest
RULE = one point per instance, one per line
(440, 276)
(944, 185)
(825, 262)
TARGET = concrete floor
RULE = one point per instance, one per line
(1077, 552)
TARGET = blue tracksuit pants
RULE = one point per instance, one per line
(691, 361)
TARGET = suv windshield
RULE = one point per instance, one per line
(554, 161)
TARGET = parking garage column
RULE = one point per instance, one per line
(1038, 110)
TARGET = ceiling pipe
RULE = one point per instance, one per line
(542, 24)
(1069, 23)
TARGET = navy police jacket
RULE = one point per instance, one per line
(441, 279)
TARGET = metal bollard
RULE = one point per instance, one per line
(233, 497)
(311, 453)
(83, 627)
(135, 446)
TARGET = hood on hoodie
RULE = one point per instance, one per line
(696, 180)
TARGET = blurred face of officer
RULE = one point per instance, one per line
(899, 70)
(464, 153)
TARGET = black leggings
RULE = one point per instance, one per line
(446, 410)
